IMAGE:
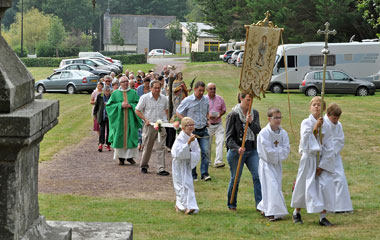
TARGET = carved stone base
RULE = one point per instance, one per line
(40, 230)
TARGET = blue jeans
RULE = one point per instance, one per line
(205, 159)
(251, 159)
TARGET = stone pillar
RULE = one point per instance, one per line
(23, 123)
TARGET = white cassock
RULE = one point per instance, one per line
(273, 148)
(315, 193)
(343, 199)
(185, 158)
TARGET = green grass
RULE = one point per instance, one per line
(40, 73)
(158, 220)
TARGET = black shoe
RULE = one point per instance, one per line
(297, 219)
(206, 177)
(163, 173)
(131, 161)
(121, 161)
(195, 178)
(325, 222)
(144, 170)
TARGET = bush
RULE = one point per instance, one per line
(130, 59)
(41, 62)
(205, 56)
(43, 49)
(17, 50)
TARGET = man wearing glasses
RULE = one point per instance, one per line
(217, 108)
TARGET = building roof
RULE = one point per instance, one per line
(201, 29)
(130, 25)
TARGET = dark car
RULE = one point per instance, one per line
(227, 55)
(70, 81)
(336, 82)
(84, 67)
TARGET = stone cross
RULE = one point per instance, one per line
(276, 142)
(23, 122)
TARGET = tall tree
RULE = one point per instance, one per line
(56, 34)
(370, 10)
(174, 32)
(192, 34)
(116, 38)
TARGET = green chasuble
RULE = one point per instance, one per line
(116, 119)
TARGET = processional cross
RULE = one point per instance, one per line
(325, 52)
(276, 143)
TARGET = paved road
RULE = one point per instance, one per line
(160, 62)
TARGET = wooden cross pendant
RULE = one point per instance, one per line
(275, 143)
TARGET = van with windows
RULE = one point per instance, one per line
(359, 59)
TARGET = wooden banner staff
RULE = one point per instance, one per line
(264, 23)
(325, 52)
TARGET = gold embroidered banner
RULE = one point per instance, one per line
(259, 57)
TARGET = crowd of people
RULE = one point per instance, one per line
(133, 113)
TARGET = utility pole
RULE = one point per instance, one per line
(22, 28)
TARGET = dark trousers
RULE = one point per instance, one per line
(170, 137)
(104, 127)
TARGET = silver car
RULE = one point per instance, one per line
(70, 81)
(336, 82)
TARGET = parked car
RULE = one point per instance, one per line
(84, 67)
(336, 82)
(91, 62)
(94, 54)
(239, 59)
(102, 60)
(375, 79)
(159, 52)
(234, 56)
(70, 81)
(227, 55)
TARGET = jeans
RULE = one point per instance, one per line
(104, 128)
(204, 145)
(251, 159)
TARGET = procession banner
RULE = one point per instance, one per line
(259, 58)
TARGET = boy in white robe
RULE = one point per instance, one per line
(314, 188)
(273, 148)
(342, 198)
(186, 154)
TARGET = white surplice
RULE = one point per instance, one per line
(315, 193)
(273, 148)
(185, 158)
(343, 199)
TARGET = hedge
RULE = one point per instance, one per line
(205, 56)
(109, 53)
(54, 62)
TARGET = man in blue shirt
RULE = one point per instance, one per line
(196, 106)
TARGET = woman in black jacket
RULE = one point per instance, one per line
(100, 114)
(235, 125)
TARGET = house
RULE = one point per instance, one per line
(206, 42)
(153, 38)
(129, 29)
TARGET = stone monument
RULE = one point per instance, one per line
(23, 123)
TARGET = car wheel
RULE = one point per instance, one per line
(70, 89)
(40, 88)
(362, 91)
(276, 88)
(230, 61)
(311, 92)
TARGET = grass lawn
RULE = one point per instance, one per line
(157, 219)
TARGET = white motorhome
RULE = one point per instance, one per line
(359, 59)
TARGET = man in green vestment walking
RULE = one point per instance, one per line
(123, 122)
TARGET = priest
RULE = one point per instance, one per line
(124, 122)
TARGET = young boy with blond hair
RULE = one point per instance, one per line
(273, 148)
(342, 198)
(314, 188)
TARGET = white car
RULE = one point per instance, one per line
(159, 52)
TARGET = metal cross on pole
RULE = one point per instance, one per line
(325, 52)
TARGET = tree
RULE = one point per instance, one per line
(192, 34)
(33, 33)
(370, 10)
(56, 34)
(174, 32)
(116, 38)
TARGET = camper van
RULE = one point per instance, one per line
(359, 59)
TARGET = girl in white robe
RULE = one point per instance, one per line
(342, 198)
(186, 154)
(273, 148)
(314, 188)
